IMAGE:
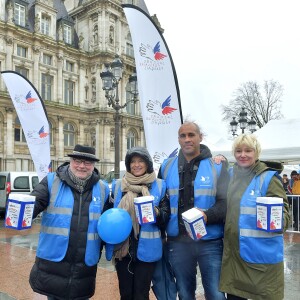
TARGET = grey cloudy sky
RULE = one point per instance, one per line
(217, 45)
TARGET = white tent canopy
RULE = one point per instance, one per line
(279, 139)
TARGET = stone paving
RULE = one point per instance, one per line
(17, 254)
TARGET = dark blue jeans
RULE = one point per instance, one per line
(184, 256)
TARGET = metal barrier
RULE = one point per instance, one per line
(294, 203)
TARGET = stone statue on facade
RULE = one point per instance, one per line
(37, 22)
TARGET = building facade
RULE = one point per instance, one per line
(61, 48)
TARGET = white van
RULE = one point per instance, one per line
(16, 182)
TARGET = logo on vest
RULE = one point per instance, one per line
(205, 181)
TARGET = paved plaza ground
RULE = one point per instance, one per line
(17, 254)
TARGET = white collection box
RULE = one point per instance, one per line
(194, 223)
(144, 209)
(19, 211)
(269, 213)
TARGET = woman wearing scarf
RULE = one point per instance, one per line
(136, 257)
(252, 264)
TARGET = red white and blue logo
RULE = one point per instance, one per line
(152, 53)
(37, 137)
(152, 58)
(30, 99)
(160, 113)
(42, 132)
(156, 107)
(25, 102)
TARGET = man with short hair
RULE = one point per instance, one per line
(68, 251)
(194, 180)
(285, 183)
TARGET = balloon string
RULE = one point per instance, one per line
(128, 267)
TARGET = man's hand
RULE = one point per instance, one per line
(204, 215)
(219, 158)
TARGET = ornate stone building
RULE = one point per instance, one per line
(61, 47)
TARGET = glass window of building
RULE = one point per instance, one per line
(130, 139)
(19, 133)
(45, 25)
(21, 51)
(20, 14)
(129, 46)
(69, 92)
(22, 71)
(69, 66)
(129, 49)
(69, 135)
(67, 34)
(131, 106)
(47, 59)
(47, 84)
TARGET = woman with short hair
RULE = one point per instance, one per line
(252, 264)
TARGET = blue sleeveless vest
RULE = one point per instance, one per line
(56, 222)
(205, 189)
(257, 246)
(150, 242)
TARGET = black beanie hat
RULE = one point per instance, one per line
(143, 153)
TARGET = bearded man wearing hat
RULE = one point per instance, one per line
(72, 200)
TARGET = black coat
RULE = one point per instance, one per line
(70, 278)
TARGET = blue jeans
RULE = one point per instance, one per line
(184, 256)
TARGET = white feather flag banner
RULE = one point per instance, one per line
(33, 118)
(157, 84)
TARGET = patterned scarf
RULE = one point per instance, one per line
(79, 183)
(132, 186)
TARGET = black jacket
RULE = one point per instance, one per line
(187, 175)
(70, 278)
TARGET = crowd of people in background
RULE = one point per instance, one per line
(292, 187)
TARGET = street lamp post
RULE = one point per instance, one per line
(111, 77)
(243, 122)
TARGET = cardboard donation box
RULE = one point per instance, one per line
(144, 209)
(19, 211)
(194, 223)
(269, 213)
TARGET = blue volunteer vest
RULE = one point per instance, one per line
(56, 222)
(150, 242)
(205, 189)
(257, 246)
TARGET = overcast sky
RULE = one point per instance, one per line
(217, 45)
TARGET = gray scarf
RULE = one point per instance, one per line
(80, 184)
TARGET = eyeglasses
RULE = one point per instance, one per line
(78, 162)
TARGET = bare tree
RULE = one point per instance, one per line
(261, 103)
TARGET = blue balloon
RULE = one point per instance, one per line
(114, 226)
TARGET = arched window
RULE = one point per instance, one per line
(19, 133)
(131, 138)
(69, 135)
